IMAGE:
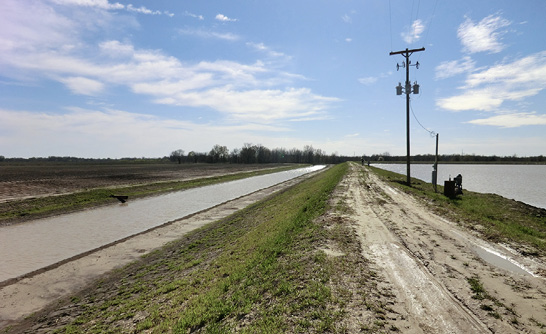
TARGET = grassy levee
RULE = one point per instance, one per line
(256, 271)
(495, 217)
(44, 206)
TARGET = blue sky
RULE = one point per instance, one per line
(106, 78)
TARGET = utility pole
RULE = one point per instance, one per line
(435, 171)
(407, 63)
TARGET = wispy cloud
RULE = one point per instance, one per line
(452, 68)
(413, 33)
(252, 92)
(76, 130)
(512, 120)
(373, 79)
(83, 86)
(347, 19)
(102, 4)
(484, 36)
(199, 17)
(489, 88)
(223, 18)
(106, 5)
(267, 50)
(209, 34)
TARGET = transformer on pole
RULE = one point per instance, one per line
(408, 90)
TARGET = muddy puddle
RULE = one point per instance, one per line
(500, 261)
(30, 246)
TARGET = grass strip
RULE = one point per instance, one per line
(495, 217)
(43, 206)
(257, 271)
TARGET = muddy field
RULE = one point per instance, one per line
(28, 180)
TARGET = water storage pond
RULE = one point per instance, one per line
(525, 183)
(30, 246)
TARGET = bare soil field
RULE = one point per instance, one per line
(28, 180)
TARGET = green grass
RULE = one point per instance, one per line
(43, 206)
(495, 217)
(257, 271)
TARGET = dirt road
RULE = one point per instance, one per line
(433, 268)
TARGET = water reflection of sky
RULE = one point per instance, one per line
(525, 183)
(33, 245)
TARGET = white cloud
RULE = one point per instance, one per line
(116, 49)
(512, 120)
(267, 50)
(484, 36)
(199, 17)
(223, 18)
(144, 10)
(371, 80)
(115, 134)
(368, 80)
(83, 86)
(414, 32)
(346, 18)
(29, 26)
(209, 34)
(449, 69)
(253, 92)
(102, 4)
(489, 88)
(484, 99)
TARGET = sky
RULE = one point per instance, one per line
(142, 78)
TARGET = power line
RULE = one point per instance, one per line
(429, 26)
(432, 133)
(390, 20)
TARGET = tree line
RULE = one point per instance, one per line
(458, 158)
(258, 154)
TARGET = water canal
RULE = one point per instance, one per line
(33, 245)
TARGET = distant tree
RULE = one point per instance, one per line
(219, 153)
(177, 155)
(235, 156)
(192, 157)
(263, 154)
(248, 154)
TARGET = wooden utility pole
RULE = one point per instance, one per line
(435, 172)
(407, 53)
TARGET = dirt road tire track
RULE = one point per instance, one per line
(427, 262)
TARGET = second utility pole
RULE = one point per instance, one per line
(407, 53)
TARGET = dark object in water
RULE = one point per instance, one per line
(122, 199)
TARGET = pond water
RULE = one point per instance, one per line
(525, 183)
(33, 245)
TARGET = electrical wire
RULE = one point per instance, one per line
(390, 21)
(432, 133)
(429, 27)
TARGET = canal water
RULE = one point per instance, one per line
(525, 183)
(33, 245)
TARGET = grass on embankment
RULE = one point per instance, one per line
(257, 271)
(497, 218)
(45, 206)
